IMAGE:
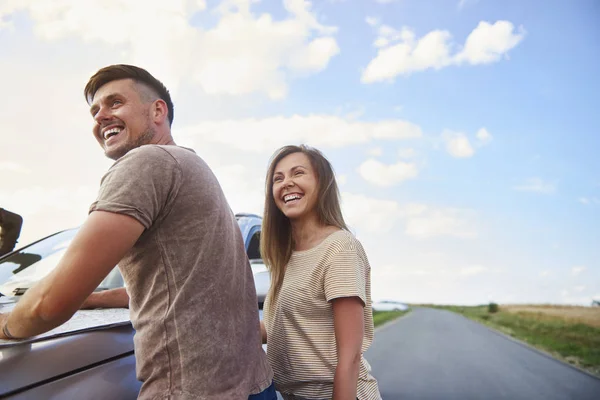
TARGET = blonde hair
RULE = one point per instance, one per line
(276, 243)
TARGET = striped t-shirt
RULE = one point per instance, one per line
(301, 343)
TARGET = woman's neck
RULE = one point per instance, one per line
(309, 232)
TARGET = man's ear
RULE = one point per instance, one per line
(160, 111)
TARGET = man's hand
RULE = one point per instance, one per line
(3, 318)
(98, 246)
(113, 298)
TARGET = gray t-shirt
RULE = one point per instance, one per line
(192, 297)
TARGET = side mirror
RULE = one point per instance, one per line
(10, 229)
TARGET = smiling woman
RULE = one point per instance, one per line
(318, 319)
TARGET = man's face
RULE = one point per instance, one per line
(122, 118)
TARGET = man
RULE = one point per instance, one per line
(10, 229)
(162, 216)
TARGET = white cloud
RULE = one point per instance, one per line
(407, 153)
(401, 53)
(372, 21)
(385, 1)
(457, 144)
(375, 216)
(484, 136)
(420, 221)
(244, 187)
(536, 185)
(264, 135)
(575, 297)
(384, 175)
(375, 151)
(50, 210)
(430, 222)
(577, 270)
(464, 3)
(13, 167)
(473, 270)
(489, 43)
(588, 200)
(243, 53)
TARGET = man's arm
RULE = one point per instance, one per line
(113, 298)
(98, 246)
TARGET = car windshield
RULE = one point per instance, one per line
(23, 268)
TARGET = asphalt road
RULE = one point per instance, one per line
(434, 354)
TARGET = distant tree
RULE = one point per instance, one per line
(492, 307)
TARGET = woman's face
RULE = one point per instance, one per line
(295, 186)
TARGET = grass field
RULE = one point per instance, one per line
(571, 334)
(381, 317)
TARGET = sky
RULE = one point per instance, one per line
(464, 133)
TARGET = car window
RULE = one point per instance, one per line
(254, 247)
(21, 260)
(23, 268)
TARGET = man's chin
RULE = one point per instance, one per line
(116, 153)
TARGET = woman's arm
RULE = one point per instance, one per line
(263, 332)
(349, 328)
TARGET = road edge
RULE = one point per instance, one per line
(528, 346)
(393, 322)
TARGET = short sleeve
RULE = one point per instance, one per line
(345, 275)
(141, 184)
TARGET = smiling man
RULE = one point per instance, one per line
(162, 216)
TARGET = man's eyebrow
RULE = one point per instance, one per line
(105, 99)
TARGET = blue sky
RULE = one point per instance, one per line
(467, 166)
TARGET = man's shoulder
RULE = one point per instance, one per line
(153, 154)
(157, 150)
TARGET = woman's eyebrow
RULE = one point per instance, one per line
(298, 166)
(291, 169)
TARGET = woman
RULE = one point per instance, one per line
(317, 314)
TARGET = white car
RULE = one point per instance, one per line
(389, 305)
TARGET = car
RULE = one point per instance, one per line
(389, 305)
(89, 363)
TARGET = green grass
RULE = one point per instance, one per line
(381, 317)
(576, 343)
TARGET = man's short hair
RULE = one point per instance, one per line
(124, 71)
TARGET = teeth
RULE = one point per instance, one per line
(290, 197)
(111, 132)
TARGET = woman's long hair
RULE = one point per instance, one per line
(276, 243)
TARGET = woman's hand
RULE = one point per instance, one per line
(263, 332)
